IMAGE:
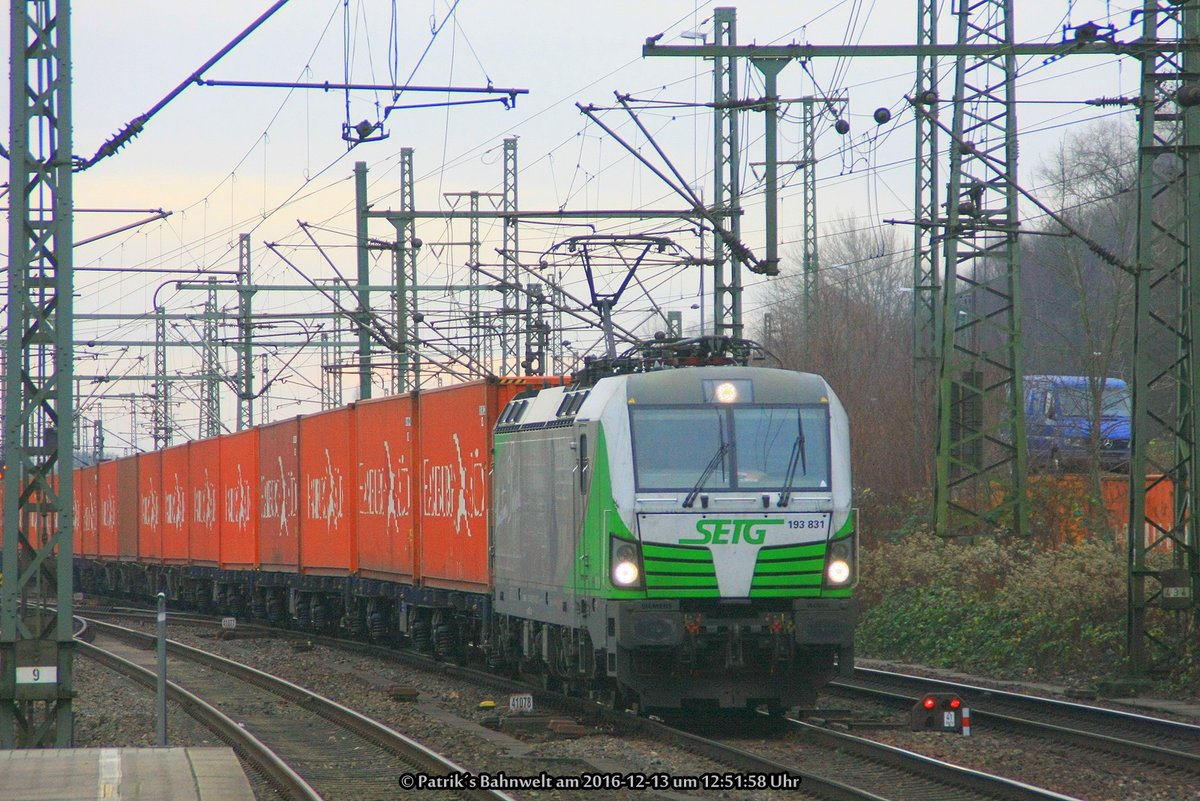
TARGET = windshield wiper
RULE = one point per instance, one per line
(798, 455)
(717, 459)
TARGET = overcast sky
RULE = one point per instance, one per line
(231, 160)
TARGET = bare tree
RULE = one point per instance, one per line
(858, 336)
(1079, 309)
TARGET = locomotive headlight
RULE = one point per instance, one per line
(625, 572)
(838, 571)
(728, 390)
(626, 564)
(839, 563)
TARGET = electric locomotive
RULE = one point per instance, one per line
(681, 536)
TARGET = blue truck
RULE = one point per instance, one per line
(1064, 430)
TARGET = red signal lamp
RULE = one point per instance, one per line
(942, 712)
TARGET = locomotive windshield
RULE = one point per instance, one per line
(773, 448)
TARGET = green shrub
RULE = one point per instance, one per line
(1000, 607)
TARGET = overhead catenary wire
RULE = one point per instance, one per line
(875, 173)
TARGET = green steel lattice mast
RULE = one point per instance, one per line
(36, 645)
(1164, 567)
(980, 484)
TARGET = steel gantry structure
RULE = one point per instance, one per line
(926, 277)
(1164, 561)
(727, 192)
(980, 485)
(36, 683)
(966, 312)
(519, 332)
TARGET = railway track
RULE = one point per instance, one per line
(1127, 735)
(906, 774)
(829, 765)
(354, 758)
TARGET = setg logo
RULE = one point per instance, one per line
(717, 531)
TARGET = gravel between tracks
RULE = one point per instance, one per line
(113, 712)
(446, 717)
(1058, 767)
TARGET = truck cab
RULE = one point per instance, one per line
(1072, 420)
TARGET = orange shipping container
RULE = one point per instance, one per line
(127, 509)
(384, 436)
(106, 506)
(454, 439)
(1062, 498)
(239, 500)
(327, 477)
(87, 543)
(279, 496)
(149, 497)
(173, 512)
(204, 469)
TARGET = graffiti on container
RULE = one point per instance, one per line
(88, 521)
(108, 510)
(204, 502)
(149, 503)
(175, 505)
(279, 498)
(237, 501)
(458, 491)
(387, 490)
(326, 494)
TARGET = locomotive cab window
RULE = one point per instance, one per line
(751, 447)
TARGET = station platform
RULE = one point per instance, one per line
(123, 774)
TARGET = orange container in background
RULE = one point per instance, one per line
(87, 542)
(204, 466)
(127, 508)
(174, 514)
(327, 492)
(279, 496)
(454, 430)
(149, 500)
(385, 485)
(238, 500)
(106, 507)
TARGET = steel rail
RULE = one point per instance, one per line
(977, 699)
(973, 782)
(264, 761)
(388, 739)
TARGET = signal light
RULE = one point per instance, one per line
(939, 712)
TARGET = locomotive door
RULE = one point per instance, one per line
(586, 563)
